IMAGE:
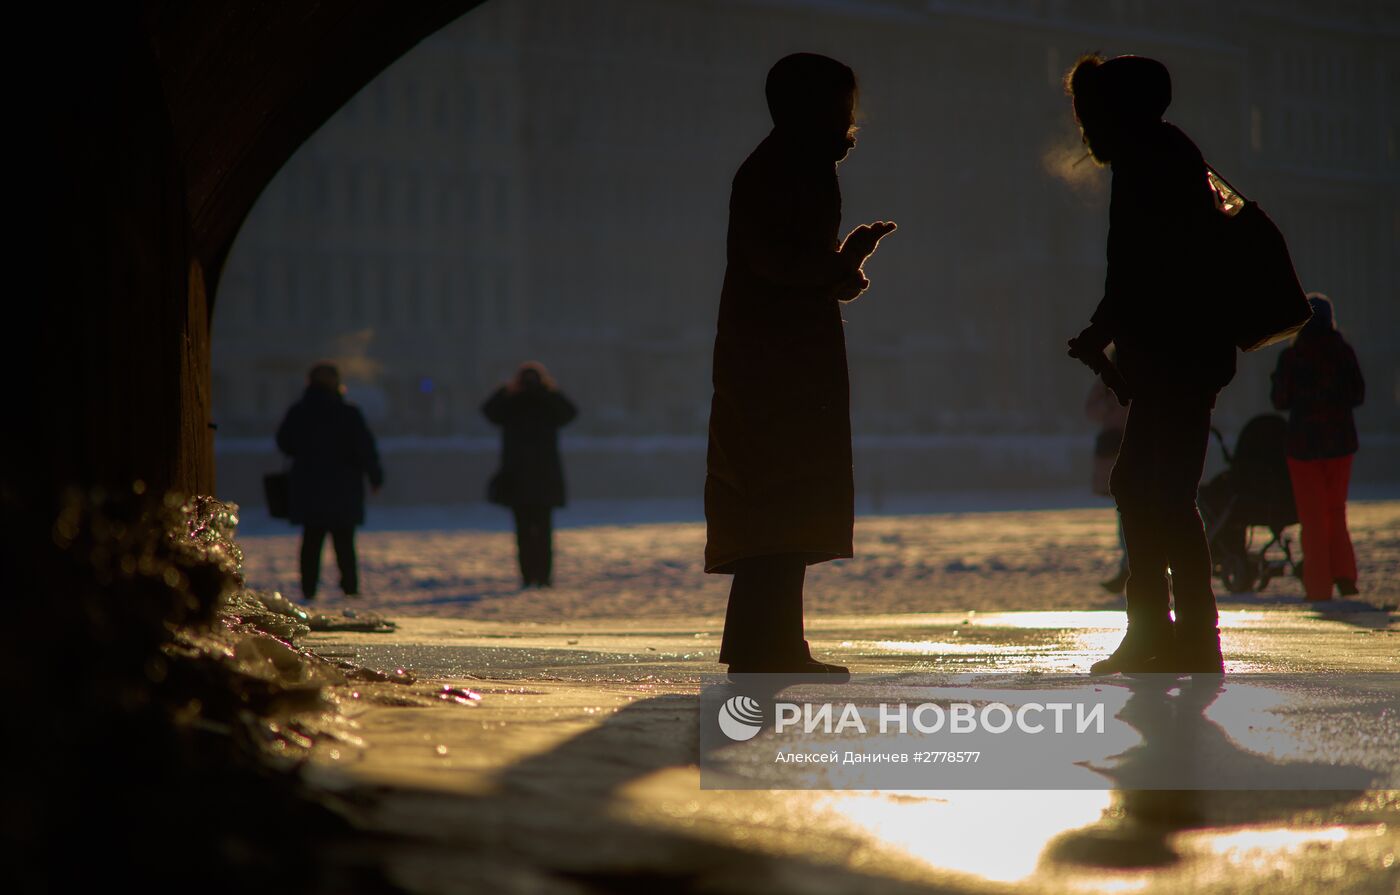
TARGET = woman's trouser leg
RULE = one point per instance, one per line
(343, 539)
(1155, 482)
(312, 537)
(524, 545)
(763, 623)
(1310, 497)
(544, 546)
(1340, 550)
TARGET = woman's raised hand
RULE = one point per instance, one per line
(860, 243)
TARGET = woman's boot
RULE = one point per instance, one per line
(1145, 646)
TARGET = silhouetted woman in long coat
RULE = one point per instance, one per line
(530, 411)
(779, 488)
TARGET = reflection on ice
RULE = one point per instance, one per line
(1265, 844)
(996, 835)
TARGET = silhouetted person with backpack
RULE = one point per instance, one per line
(333, 453)
(1173, 356)
(1318, 381)
(779, 492)
(530, 410)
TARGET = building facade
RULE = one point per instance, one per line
(548, 180)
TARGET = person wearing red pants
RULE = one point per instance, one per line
(1318, 381)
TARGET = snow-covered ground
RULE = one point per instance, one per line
(579, 762)
(922, 554)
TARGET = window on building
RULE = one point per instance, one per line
(412, 114)
(382, 103)
(352, 193)
(500, 294)
(446, 298)
(381, 195)
(387, 296)
(292, 293)
(500, 189)
(355, 293)
(290, 186)
(320, 191)
(321, 284)
(370, 293)
(466, 113)
(442, 110)
(471, 192)
(262, 301)
(413, 299)
(412, 186)
(263, 398)
(447, 199)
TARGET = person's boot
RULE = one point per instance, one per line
(798, 668)
(1197, 652)
(1143, 649)
(809, 671)
(1346, 587)
(818, 667)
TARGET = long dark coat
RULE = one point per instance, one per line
(1318, 381)
(531, 474)
(332, 454)
(778, 469)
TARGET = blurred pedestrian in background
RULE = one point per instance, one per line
(1318, 381)
(1102, 407)
(530, 410)
(332, 452)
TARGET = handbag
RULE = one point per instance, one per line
(277, 488)
(1263, 301)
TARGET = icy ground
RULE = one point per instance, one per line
(576, 770)
(953, 553)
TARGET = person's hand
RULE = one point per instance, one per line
(1088, 346)
(1088, 349)
(374, 489)
(851, 287)
(860, 243)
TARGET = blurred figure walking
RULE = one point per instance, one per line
(1318, 381)
(530, 410)
(332, 452)
(1102, 407)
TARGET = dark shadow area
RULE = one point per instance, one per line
(144, 758)
(555, 809)
(148, 143)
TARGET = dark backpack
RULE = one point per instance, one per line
(1263, 301)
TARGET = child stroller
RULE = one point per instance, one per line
(1254, 490)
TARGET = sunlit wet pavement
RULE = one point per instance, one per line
(577, 770)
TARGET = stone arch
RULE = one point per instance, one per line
(154, 134)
